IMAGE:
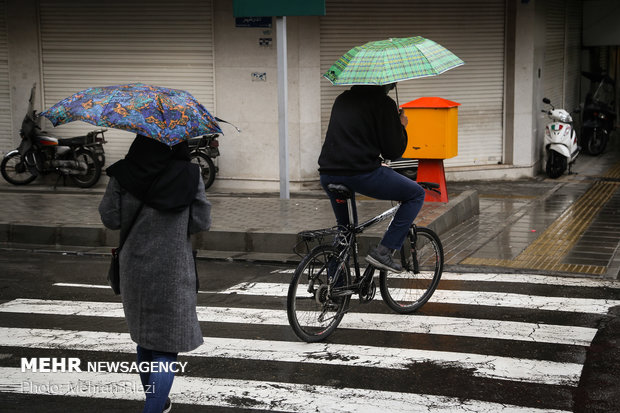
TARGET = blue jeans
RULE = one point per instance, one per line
(156, 384)
(382, 183)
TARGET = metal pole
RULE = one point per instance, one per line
(282, 106)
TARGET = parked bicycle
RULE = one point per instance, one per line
(320, 291)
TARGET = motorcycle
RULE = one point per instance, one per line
(202, 149)
(560, 141)
(81, 158)
(599, 113)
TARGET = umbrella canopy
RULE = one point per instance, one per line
(167, 115)
(390, 61)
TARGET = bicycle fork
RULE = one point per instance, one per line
(413, 263)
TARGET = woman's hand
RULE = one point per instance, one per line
(403, 118)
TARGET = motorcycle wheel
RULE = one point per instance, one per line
(597, 142)
(93, 171)
(556, 165)
(15, 171)
(207, 167)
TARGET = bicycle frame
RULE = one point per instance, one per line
(350, 239)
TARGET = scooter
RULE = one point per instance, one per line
(599, 113)
(560, 142)
(81, 158)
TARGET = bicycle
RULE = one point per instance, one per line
(321, 288)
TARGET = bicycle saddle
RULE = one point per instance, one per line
(340, 190)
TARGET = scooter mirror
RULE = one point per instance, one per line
(547, 101)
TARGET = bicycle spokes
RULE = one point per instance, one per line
(407, 291)
(311, 310)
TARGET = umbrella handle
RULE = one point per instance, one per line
(224, 121)
(396, 91)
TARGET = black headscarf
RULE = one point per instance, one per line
(161, 176)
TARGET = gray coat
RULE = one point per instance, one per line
(157, 269)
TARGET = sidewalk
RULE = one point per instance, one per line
(245, 226)
(569, 225)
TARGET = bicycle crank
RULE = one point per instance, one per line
(367, 291)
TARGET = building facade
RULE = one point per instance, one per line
(516, 52)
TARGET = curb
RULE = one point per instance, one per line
(219, 244)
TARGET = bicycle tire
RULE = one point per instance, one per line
(311, 313)
(406, 292)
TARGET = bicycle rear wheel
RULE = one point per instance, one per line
(423, 263)
(312, 314)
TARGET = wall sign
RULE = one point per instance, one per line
(253, 22)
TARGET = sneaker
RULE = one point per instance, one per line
(167, 406)
(383, 261)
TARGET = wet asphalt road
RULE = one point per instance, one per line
(484, 343)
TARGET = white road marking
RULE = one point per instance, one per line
(483, 298)
(452, 326)
(513, 278)
(494, 367)
(263, 395)
(486, 298)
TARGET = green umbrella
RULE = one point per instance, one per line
(390, 61)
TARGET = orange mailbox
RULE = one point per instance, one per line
(432, 137)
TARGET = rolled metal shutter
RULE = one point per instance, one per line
(562, 64)
(7, 140)
(573, 55)
(553, 65)
(88, 43)
(473, 30)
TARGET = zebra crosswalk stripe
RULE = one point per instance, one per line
(263, 395)
(569, 304)
(510, 278)
(469, 327)
(494, 299)
(504, 368)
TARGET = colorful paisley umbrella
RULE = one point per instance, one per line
(389, 61)
(167, 115)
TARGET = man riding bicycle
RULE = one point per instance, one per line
(365, 129)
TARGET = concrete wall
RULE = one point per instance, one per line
(250, 159)
(525, 122)
(525, 77)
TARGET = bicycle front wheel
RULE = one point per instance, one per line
(312, 313)
(423, 262)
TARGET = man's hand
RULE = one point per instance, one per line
(403, 118)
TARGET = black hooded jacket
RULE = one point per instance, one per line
(364, 125)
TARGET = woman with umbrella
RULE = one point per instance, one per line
(158, 187)
(156, 198)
